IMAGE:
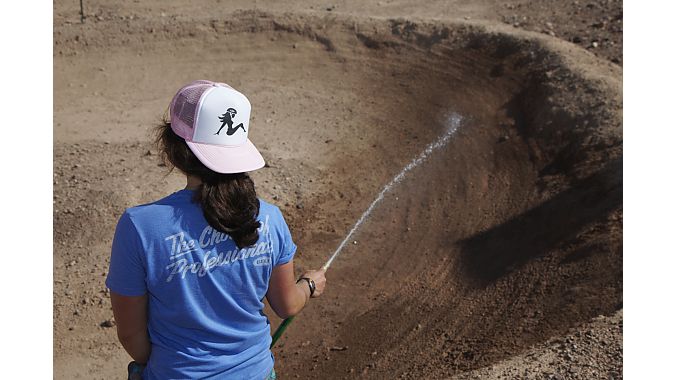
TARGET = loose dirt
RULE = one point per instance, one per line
(494, 258)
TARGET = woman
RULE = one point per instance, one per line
(188, 273)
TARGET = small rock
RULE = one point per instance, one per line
(108, 323)
(338, 348)
(595, 44)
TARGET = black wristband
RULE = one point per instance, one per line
(310, 283)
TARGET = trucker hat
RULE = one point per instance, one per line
(213, 118)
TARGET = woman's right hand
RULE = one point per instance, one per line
(318, 276)
(286, 295)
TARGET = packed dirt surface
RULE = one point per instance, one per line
(500, 256)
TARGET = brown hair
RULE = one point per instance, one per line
(228, 201)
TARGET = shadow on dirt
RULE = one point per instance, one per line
(491, 254)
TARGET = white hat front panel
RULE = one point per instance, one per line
(223, 117)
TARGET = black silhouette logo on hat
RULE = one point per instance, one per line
(226, 118)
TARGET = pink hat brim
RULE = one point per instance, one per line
(228, 159)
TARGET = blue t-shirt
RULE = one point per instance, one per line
(205, 296)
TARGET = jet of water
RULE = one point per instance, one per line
(454, 121)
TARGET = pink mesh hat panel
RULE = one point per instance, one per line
(213, 118)
(183, 108)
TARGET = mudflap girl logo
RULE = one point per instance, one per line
(226, 119)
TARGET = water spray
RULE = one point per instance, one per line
(453, 122)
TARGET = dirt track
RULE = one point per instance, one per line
(505, 241)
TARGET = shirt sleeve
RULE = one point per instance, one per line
(287, 247)
(127, 273)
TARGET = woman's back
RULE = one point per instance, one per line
(205, 295)
(189, 272)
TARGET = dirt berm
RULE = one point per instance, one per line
(508, 236)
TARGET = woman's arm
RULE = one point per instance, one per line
(131, 317)
(286, 297)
